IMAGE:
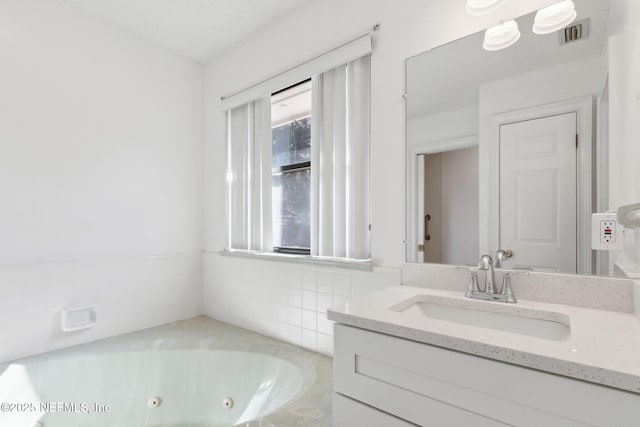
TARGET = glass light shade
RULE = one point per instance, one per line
(501, 36)
(483, 7)
(555, 17)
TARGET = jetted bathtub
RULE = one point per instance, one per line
(198, 372)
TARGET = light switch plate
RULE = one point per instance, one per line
(606, 232)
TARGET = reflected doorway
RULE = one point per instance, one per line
(448, 206)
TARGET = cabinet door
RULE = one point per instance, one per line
(432, 386)
(350, 413)
(362, 371)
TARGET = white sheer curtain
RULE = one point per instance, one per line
(340, 126)
(249, 176)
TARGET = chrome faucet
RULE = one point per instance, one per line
(486, 264)
(490, 292)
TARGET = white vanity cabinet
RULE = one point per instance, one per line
(385, 381)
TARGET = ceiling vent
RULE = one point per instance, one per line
(575, 32)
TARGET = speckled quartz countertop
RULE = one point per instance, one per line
(603, 346)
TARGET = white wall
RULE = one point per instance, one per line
(569, 80)
(433, 195)
(408, 27)
(624, 114)
(100, 177)
(451, 198)
(442, 126)
(460, 206)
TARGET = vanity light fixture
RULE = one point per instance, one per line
(555, 17)
(483, 7)
(501, 36)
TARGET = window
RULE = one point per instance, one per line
(298, 164)
(291, 169)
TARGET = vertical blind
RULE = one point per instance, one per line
(340, 125)
(249, 176)
(340, 156)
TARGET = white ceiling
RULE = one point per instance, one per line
(448, 78)
(197, 29)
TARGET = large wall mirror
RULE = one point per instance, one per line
(508, 150)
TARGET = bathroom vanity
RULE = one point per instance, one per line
(508, 153)
(410, 355)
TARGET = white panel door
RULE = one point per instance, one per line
(538, 193)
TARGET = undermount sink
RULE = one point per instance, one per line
(534, 323)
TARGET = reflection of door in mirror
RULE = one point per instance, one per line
(448, 206)
(538, 193)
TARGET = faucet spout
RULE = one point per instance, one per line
(486, 264)
(490, 292)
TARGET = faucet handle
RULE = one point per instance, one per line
(472, 270)
(506, 290)
(515, 273)
(501, 257)
(473, 285)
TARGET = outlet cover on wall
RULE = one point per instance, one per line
(606, 232)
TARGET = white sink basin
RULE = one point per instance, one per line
(489, 315)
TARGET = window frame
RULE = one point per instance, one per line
(278, 170)
(291, 167)
(249, 218)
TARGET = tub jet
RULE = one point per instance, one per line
(153, 402)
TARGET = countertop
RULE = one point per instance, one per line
(603, 348)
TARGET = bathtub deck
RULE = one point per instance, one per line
(311, 408)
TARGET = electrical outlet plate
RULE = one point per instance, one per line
(606, 232)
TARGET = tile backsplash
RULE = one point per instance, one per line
(129, 293)
(285, 300)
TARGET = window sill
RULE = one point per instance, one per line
(363, 265)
